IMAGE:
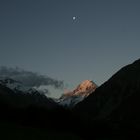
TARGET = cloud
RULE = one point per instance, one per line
(30, 79)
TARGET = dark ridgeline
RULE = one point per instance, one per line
(35, 110)
(111, 112)
(114, 106)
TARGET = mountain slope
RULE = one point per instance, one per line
(17, 86)
(19, 99)
(118, 99)
(34, 110)
(83, 90)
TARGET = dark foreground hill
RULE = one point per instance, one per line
(116, 104)
(34, 116)
(111, 112)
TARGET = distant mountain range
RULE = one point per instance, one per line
(68, 100)
(110, 111)
(15, 94)
(18, 86)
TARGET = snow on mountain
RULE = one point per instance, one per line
(17, 86)
(68, 99)
(13, 85)
(82, 91)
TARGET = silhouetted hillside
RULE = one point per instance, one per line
(35, 110)
(22, 100)
(116, 102)
(111, 112)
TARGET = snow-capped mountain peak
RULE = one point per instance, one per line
(83, 90)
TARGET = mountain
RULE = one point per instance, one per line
(110, 111)
(83, 90)
(117, 100)
(17, 86)
(14, 85)
(16, 95)
(34, 114)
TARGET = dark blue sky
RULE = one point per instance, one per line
(41, 36)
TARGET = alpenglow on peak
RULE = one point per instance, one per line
(82, 91)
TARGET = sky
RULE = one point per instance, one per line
(44, 37)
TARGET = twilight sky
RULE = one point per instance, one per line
(41, 36)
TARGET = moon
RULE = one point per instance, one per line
(74, 18)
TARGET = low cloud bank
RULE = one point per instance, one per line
(30, 79)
